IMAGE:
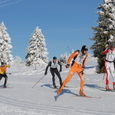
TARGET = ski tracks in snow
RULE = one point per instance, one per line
(33, 106)
(55, 110)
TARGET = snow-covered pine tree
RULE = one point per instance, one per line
(37, 52)
(104, 33)
(5, 45)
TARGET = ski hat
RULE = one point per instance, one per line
(84, 48)
(54, 57)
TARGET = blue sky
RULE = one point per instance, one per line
(66, 24)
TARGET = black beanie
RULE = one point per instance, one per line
(84, 48)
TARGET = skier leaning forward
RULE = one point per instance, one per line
(109, 65)
(3, 69)
(54, 70)
(77, 66)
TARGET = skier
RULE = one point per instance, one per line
(77, 61)
(54, 70)
(109, 65)
(3, 69)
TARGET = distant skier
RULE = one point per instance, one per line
(3, 69)
(76, 62)
(109, 65)
(54, 70)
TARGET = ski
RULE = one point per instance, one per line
(54, 87)
(88, 96)
(1, 86)
(108, 90)
(85, 96)
(5, 87)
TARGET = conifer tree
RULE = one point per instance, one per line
(5, 45)
(104, 32)
(37, 51)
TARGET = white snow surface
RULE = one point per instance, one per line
(21, 99)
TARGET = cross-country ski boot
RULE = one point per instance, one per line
(114, 87)
(81, 93)
(107, 88)
(55, 87)
(4, 86)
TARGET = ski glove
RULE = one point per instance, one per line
(60, 70)
(83, 66)
(67, 66)
(45, 73)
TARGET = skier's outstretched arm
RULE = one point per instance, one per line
(105, 52)
(60, 65)
(49, 64)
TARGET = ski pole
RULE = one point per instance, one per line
(38, 81)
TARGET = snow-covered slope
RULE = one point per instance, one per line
(21, 99)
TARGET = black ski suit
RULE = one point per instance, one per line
(3, 70)
(54, 70)
(6, 78)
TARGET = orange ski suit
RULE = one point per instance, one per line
(75, 68)
(3, 69)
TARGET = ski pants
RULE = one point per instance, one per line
(110, 72)
(6, 78)
(76, 68)
(53, 72)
